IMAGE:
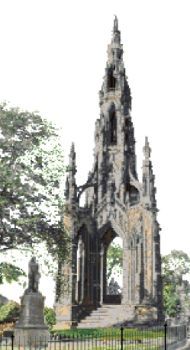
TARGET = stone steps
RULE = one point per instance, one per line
(107, 316)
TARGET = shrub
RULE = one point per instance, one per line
(9, 312)
(50, 317)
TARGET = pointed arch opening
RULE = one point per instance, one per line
(86, 267)
(114, 270)
(111, 80)
(132, 195)
(111, 268)
(113, 126)
(83, 273)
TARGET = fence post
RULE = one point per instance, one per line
(165, 336)
(121, 338)
(12, 341)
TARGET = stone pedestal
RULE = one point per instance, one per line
(31, 330)
(65, 316)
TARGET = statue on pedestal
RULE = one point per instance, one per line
(30, 328)
(113, 287)
(33, 276)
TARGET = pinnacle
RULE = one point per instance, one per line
(72, 147)
(146, 141)
(146, 148)
(115, 24)
(72, 153)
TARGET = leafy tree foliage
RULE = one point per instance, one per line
(114, 259)
(175, 267)
(171, 300)
(9, 312)
(31, 175)
(50, 317)
(10, 273)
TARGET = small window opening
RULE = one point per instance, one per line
(111, 80)
(113, 128)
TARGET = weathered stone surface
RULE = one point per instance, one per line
(32, 306)
(116, 204)
(146, 314)
(30, 328)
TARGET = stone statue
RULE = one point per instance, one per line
(33, 276)
(30, 329)
(113, 287)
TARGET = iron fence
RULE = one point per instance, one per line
(124, 338)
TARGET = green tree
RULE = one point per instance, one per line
(10, 273)
(31, 178)
(114, 259)
(175, 268)
(175, 265)
(171, 300)
(9, 312)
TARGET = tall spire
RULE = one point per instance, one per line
(115, 78)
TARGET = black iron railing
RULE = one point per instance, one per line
(124, 338)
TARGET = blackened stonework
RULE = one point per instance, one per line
(117, 204)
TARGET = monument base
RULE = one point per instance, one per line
(31, 329)
(33, 336)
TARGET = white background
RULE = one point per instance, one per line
(53, 55)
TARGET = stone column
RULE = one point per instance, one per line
(79, 274)
(65, 306)
(154, 284)
(82, 271)
(102, 274)
(137, 274)
(125, 291)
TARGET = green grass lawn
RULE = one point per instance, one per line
(128, 333)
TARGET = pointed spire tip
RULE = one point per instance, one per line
(146, 141)
(115, 24)
(72, 146)
(146, 148)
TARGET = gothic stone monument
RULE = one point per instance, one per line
(30, 328)
(117, 204)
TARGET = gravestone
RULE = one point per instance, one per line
(30, 329)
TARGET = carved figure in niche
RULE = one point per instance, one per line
(113, 287)
(33, 276)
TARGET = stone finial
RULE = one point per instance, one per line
(72, 151)
(147, 149)
(115, 24)
(72, 159)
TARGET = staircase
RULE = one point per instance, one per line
(107, 316)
